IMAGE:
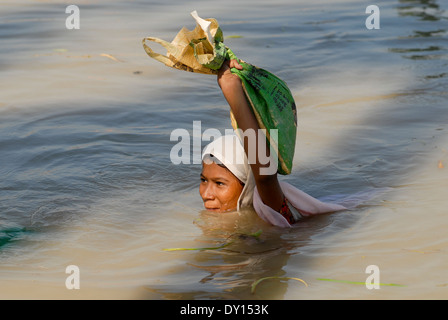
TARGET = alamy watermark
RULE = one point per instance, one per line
(73, 280)
(188, 150)
(373, 280)
(373, 21)
(74, 19)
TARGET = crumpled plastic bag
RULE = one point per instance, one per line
(202, 50)
(192, 50)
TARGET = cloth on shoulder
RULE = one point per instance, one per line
(303, 202)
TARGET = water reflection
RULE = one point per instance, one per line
(416, 44)
(426, 10)
(439, 32)
(229, 272)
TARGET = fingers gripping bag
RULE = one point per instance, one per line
(202, 50)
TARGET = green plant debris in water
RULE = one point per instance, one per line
(362, 283)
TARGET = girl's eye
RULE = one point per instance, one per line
(202, 180)
(220, 183)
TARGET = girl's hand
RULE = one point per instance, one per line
(226, 66)
(235, 64)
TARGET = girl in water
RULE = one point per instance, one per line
(229, 182)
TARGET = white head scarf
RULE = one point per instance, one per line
(229, 151)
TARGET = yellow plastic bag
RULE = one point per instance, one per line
(192, 50)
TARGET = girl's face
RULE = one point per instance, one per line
(219, 188)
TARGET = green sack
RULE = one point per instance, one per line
(269, 96)
(274, 108)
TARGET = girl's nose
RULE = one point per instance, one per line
(208, 193)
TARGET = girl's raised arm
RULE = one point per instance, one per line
(267, 185)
